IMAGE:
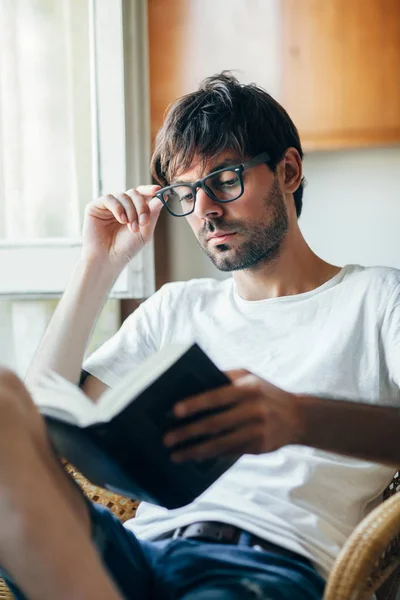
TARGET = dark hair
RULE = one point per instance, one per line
(224, 114)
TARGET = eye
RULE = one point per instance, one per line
(225, 180)
(186, 198)
(229, 182)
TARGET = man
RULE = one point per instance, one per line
(312, 350)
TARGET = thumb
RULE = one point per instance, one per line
(155, 205)
(235, 374)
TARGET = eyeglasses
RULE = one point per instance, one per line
(224, 185)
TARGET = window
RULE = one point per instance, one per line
(74, 123)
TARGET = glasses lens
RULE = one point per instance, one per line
(225, 186)
(180, 199)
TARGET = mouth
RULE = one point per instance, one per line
(220, 237)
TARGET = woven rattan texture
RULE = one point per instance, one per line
(5, 593)
(121, 507)
(390, 558)
(369, 560)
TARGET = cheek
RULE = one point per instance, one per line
(249, 206)
(193, 222)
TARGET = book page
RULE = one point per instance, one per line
(131, 386)
(57, 397)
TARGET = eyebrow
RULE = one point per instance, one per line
(228, 162)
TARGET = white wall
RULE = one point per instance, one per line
(351, 213)
(352, 206)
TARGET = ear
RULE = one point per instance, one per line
(292, 170)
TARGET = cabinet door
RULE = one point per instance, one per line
(341, 71)
(193, 39)
(333, 64)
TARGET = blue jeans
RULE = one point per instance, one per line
(185, 569)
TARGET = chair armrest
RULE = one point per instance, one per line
(5, 593)
(369, 556)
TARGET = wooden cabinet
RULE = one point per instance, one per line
(341, 71)
(193, 39)
(333, 64)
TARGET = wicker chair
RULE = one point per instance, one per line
(369, 562)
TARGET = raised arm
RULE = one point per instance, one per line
(115, 229)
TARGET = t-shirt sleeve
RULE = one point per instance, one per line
(391, 337)
(138, 337)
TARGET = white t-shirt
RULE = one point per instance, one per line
(340, 341)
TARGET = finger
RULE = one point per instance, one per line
(146, 204)
(142, 210)
(129, 206)
(115, 207)
(221, 396)
(247, 439)
(141, 206)
(264, 386)
(155, 205)
(231, 418)
(234, 374)
(148, 190)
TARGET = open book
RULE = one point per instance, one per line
(117, 442)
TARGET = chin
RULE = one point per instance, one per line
(225, 260)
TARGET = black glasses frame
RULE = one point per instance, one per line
(253, 162)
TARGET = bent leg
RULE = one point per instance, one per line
(45, 543)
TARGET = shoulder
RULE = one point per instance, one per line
(379, 287)
(379, 279)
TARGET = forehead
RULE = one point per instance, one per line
(200, 166)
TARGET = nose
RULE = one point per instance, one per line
(206, 206)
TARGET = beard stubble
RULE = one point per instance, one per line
(263, 239)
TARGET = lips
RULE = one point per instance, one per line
(221, 234)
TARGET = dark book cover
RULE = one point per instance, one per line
(127, 455)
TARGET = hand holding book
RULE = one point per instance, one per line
(253, 417)
(177, 405)
(117, 442)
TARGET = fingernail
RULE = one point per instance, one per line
(177, 458)
(143, 219)
(169, 440)
(179, 410)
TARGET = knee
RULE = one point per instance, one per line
(9, 377)
(14, 397)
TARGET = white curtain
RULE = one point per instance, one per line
(39, 191)
(45, 146)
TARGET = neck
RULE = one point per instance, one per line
(297, 269)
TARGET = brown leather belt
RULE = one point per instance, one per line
(223, 533)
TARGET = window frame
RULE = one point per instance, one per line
(40, 268)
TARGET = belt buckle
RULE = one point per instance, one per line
(210, 531)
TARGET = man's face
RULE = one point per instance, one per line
(245, 233)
